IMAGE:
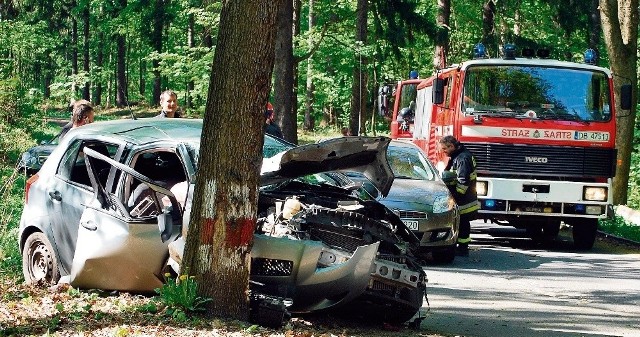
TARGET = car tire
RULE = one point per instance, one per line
(444, 256)
(39, 260)
(584, 233)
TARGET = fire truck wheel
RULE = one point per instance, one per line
(584, 233)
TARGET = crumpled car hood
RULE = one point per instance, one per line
(366, 155)
(419, 191)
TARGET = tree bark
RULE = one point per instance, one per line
(620, 27)
(310, 89)
(224, 209)
(121, 71)
(358, 106)
(283, 74)
(442, 35)
(156, 44)
(86, 90)
(489, 26)
(594, 27)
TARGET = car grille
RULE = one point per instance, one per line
(334, 239)
(543, 160)
(410, 214)
(271, 267)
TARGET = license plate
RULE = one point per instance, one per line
(412, 224)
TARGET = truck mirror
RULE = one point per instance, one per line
(625, 97)
(438, 91)
(383, 100)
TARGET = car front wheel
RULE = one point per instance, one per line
(39, 261)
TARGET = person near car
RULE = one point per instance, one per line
(270, 125)
(169, 105)
(81, 113)
(463, 188)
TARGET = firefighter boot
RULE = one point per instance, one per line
(462, 249)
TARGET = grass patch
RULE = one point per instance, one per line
(618, 226)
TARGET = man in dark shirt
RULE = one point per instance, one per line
(270, 126)
(169, 104)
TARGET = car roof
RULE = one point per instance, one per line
(146, 130)
(402, 143)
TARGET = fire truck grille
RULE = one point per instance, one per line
(539, 160)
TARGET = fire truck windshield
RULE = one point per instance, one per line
(536, 92)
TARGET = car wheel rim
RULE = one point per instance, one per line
(41, 263)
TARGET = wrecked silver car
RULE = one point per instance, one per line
(113, 200)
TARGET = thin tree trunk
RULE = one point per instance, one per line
(156, 43)
(224, 210)
(97, 95)
(310, 89)
(121, 73)
(283, 74)
(359, 85)
(442, 35)
(595, 27)
(489, 25)
(86, 91)
(74, 49)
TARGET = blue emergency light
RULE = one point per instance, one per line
(413, 74)
(590, 56)
(490, 203)
(509, 51)
(479, 51)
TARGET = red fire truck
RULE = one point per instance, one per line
(542, 132)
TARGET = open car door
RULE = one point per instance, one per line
(115, 249)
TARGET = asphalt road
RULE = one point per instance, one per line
(509, 286)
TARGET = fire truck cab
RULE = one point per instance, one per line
(542, 132)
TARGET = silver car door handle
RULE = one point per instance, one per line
(55, 195)
(90, 225)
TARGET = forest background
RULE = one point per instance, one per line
(331, 57)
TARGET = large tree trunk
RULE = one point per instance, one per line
(442, 35)
(620, 27)
(310, 89)
(224, 210)
(283, 74)
(358, 104)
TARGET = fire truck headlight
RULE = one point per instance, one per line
(590, 193)
(482, 188)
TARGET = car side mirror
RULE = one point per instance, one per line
(165, 225)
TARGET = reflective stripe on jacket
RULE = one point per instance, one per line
(463, 164)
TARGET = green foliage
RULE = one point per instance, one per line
(618, 226)
(633, 197)
(181, 297)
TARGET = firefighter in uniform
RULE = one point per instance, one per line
(463, 164)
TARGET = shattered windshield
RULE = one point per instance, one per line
(409, 163)
(272, 147)
(537, 92)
